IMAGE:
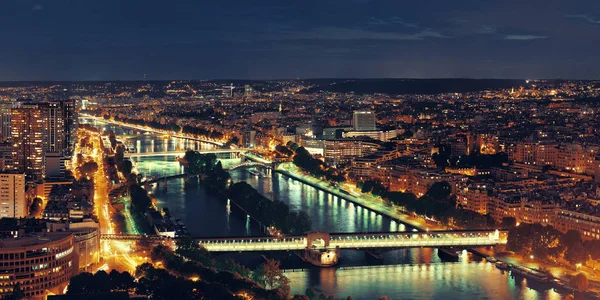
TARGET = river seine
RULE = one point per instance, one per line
(400, 274)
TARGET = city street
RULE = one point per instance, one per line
(117, 255)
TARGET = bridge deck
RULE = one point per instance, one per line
(352, 241)
(361, 241)
(182, 152)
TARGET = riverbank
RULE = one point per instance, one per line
(290, 170)
(535, 265)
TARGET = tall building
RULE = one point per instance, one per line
(28, 131)
(249, 138)
(12, 196)
(5, 116)
(364, 121)
(70, 120)
(38, 128)
(228, 91)
(54, 113)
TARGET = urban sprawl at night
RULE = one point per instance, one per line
(505, 176)
(299, 150)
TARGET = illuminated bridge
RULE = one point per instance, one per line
(322, 249)
(219, 152)
(324, 241)
(132, 237)
(248, 164)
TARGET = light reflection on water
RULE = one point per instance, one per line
(400, 274)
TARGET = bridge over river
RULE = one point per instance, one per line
(220, 152)
(322, 249)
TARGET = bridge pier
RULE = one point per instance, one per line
(322, 258)
(448, 253)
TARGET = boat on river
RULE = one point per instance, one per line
(257, 173)
(503, 266)
(530, 273)
(491, 259)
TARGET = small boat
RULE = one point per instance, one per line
(491, 259)
(257, 173)
(502, 265)
(529, 273)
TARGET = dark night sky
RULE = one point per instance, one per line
(123, 39)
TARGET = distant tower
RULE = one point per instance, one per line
(248, 90)
(228, 90)
(5, 116)
(145, 77)
(280, 108)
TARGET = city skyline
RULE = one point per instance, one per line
(299, 150)
(116, 40)
(124, 179)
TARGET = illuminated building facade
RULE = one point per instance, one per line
(474, 197)
(13, 203)
(39, 263)
(344, 150)
(28, 130)
(38, 128)
(87, 246)
(54, 113)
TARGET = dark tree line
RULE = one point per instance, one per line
(217, 280)
(316, 167)
(153, 124)
(88, 168)
(187, 129)
(437, 203)
(548, 242)
(125, 166)
(269, 212)
(209, 167)
(101, 282)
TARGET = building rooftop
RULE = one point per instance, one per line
(32, 239)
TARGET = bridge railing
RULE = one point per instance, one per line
(433, 239)
(246, 244)
(343, 241)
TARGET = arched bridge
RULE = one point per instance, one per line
(248, 164)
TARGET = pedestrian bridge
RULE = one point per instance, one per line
(325, 241)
